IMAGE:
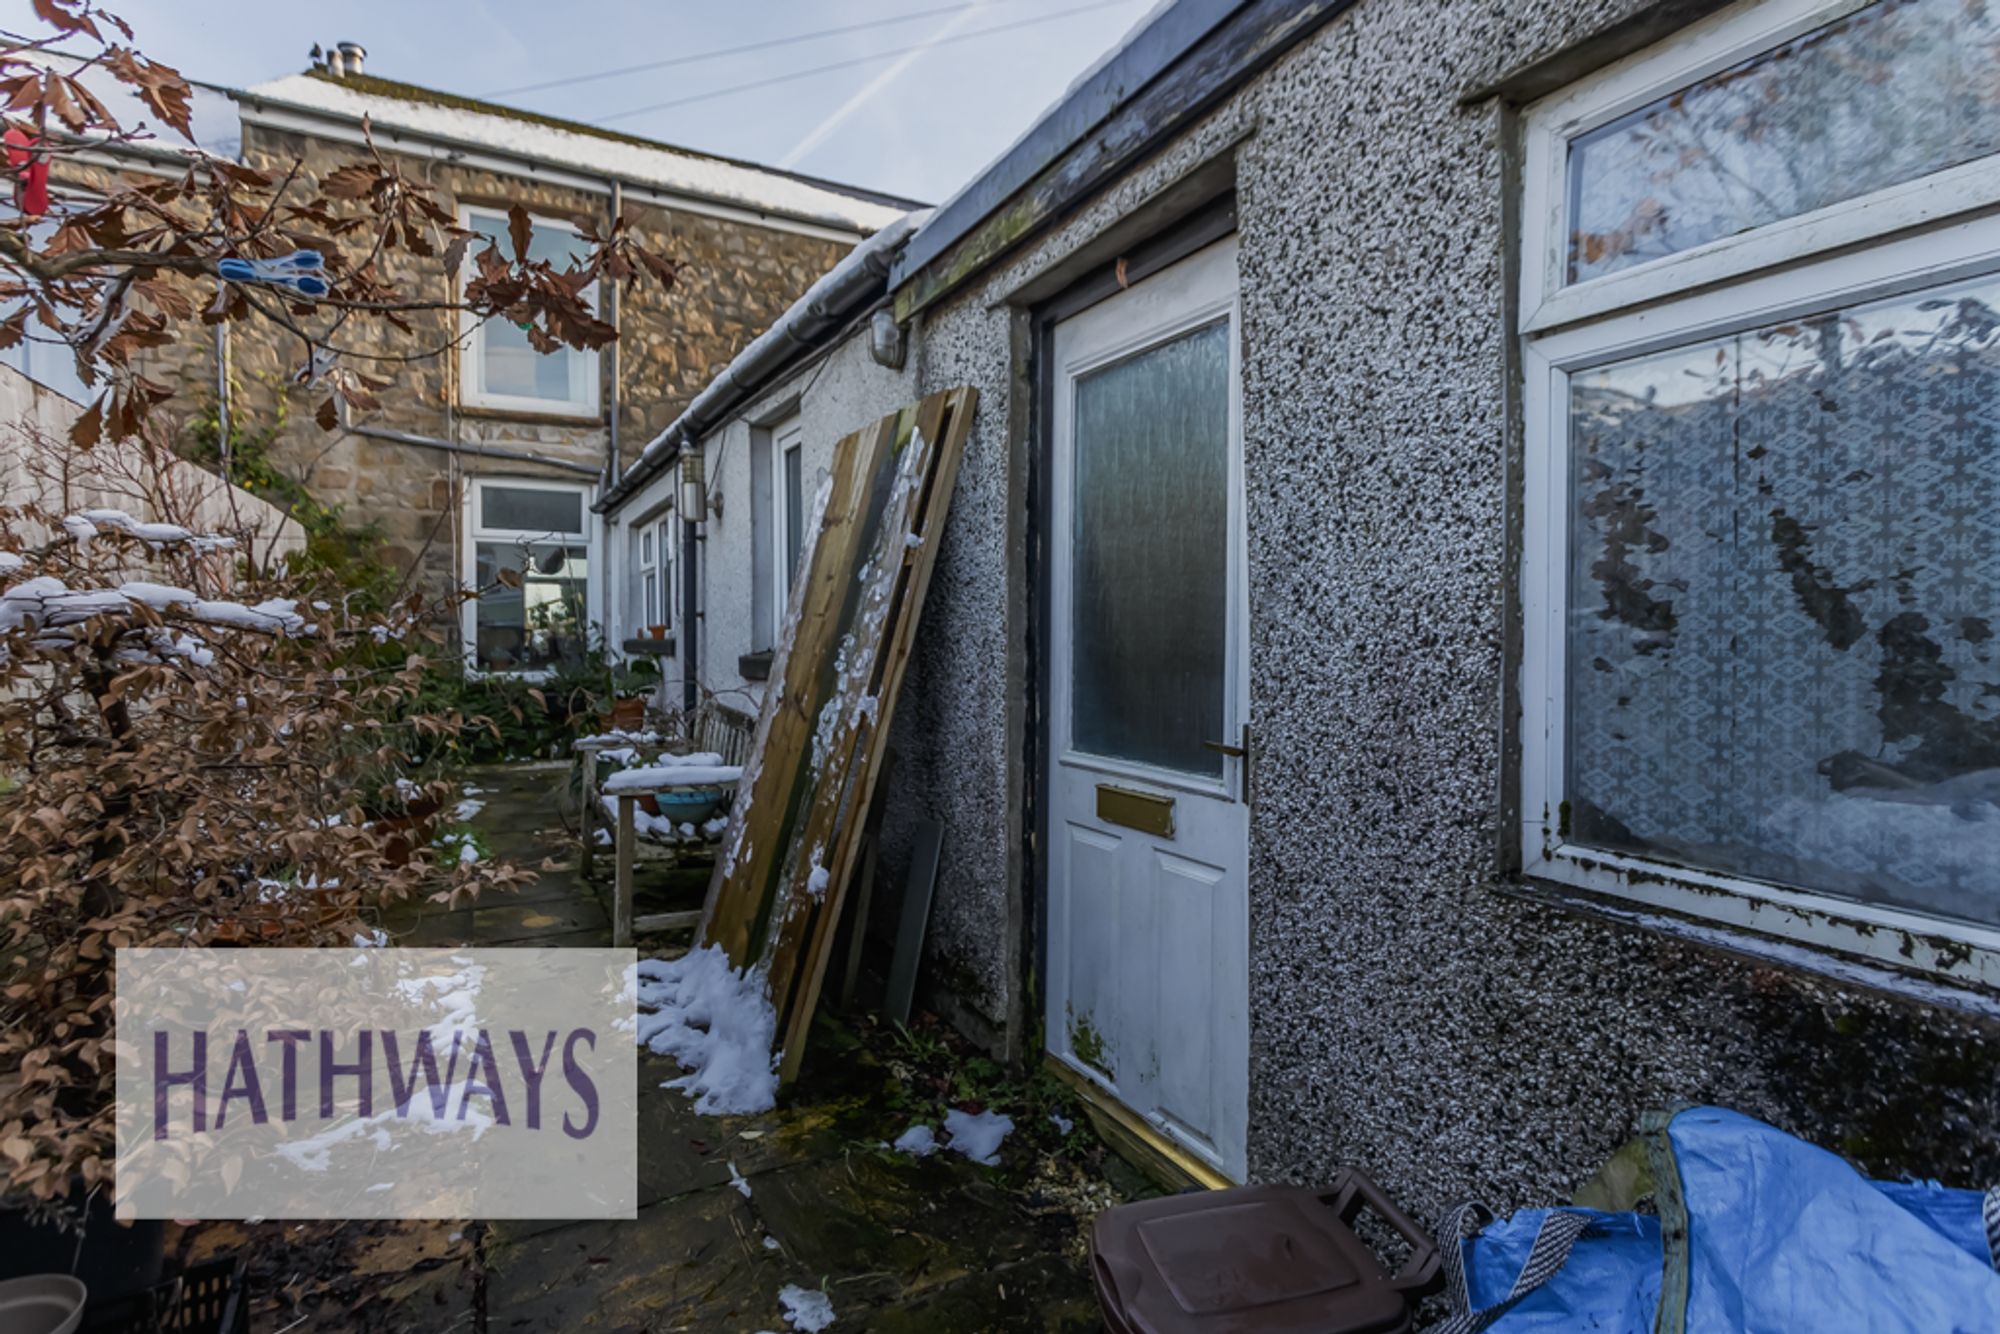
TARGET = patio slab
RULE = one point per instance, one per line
(898, 1243)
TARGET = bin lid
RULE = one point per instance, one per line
(1245, 1261)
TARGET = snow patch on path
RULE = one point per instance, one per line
(919, 1141)
(806, 1308)
(718, 1023)
(979, 1136)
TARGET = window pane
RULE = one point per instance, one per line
(1784, 591)
(541, 623)
(550, 241)
(1151, 555)
(39, 355)
(508, 364)
(530, 509)
(795, 519)
(1889, 93)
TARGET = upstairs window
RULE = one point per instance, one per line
(1761, 678)
(499, 369)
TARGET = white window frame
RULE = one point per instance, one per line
(586, 391)
(786, 439)
(649, 571)
(473, 532)
(1630, 316)
(655, 561)
(1724, 39)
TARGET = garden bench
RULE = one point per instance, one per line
(715, 730)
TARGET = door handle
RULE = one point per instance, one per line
(1241, 752)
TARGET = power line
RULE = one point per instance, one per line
(863, 60)
(720, 52)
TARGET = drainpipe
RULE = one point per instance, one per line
(691, 521)
(448, 447)
(614, 466)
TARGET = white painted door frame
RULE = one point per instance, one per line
(1148, 936)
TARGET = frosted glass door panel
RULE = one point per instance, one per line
(1150, 579)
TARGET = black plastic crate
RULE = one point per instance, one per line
(202, 1299)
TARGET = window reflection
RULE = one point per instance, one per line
(1784, 594)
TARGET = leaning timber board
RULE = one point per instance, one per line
(773, 787)
(853, 732)
(775, 898)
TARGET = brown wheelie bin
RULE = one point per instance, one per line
(1258, 1260)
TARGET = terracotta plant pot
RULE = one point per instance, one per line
(629, 714)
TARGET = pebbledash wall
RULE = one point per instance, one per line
(1412, 1010)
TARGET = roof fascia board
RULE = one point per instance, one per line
(1225, 57)
(1171, 35)
(275, 115)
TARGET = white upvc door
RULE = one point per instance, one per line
(1148, 820)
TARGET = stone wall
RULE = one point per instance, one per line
(736, 278)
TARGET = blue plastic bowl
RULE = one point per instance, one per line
(691, 805)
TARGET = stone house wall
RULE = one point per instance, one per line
(735, 278)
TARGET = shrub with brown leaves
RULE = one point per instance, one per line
(195, 749)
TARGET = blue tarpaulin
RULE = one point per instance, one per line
(1755, 1231)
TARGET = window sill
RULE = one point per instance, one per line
(755, 666)
(1916, 985)
(650, 646)
(487, 412)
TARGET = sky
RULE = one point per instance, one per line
(912, 122)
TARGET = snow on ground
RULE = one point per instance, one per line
(465, 810)
(738, 1180)
(978, 1136)
(718, 1023)
(806, 1309)
(919, 1141)
(1061, 1122)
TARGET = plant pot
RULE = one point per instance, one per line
(111, 1261)
(629, 714)
(691, 806)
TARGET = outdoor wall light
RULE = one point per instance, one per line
(694, 491)
(888, 341)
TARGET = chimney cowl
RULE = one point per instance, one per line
(347, 58)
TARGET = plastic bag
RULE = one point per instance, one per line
(1757, 1231)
